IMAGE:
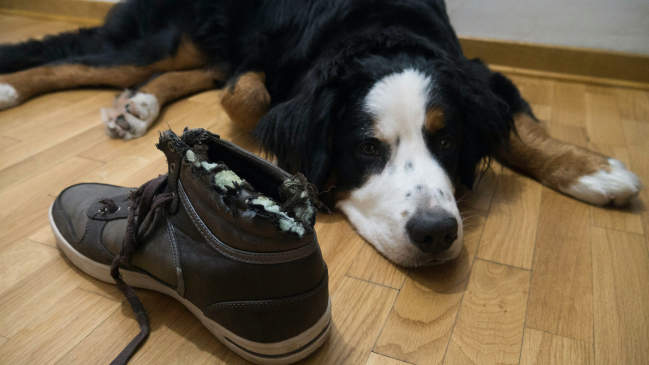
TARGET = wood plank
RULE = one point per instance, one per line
(489, 327)
(636, 133)
(26, 203)
(46, 182)
(173, 325)
(561, 288)
(535, 91)
(120, 171)
(627, 219)
(43, 160)
(62, 112)
(420, 325)
(20, 259)
(621, 294)
(199, 346)
(371, 266)
(340, 246)
(541, 348)
(44, 235)
(640, 165)
(376, 359)
(177, 337)
(50, 130)
(633, 104)
(26, 302)
(510, 230)
(359, 310)
(603, 123)
(59, 329)
(6, 142)
(569, 104)
(34, 109)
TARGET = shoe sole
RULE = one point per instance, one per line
(283, 352)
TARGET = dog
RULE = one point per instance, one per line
(372, 100)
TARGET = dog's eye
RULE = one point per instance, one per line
(370, 148)
(445, 143)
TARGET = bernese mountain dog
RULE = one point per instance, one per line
(373, 100)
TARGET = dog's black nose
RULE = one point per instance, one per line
(432, 230)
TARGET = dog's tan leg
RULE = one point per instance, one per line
(20, 86)
(247, 100)
(135, 111)
(23, 85)
(573, 170)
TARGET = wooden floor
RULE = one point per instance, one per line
(544, 279)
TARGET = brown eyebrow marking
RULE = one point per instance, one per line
(434, 120)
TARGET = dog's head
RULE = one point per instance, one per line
(393, 136)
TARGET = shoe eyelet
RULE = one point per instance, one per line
(172, 166)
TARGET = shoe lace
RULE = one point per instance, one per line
(147, 203)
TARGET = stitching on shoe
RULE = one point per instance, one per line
(236, 254)
(180, 280)
(265, 303)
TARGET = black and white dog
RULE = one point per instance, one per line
(372, 100)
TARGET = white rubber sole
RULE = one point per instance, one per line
(284, 352)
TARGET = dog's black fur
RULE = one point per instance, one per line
(320, 58)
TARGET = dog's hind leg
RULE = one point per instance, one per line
(573, 170)
(17, 87)
(135, 111)
(247, 99)
(117, 70)
(52, 48)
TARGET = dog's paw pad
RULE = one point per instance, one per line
(131, 116)
(8, 96)
(615, 185)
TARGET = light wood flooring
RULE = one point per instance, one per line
(544, 279)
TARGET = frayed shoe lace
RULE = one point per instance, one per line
(146, 208)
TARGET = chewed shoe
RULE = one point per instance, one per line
(226, 233)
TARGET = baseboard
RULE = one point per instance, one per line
(599, 81)
(583, 64)
(579, 64)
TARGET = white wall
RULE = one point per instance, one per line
(620, 25)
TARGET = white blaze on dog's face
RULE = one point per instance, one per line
(406, 209)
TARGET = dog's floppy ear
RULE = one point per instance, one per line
(298, 133)
(487, 116)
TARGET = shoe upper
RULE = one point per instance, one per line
(235, 237)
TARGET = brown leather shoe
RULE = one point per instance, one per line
(226, 233)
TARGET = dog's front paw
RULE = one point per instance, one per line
(611, 185)
(8, 96)
(131, 116)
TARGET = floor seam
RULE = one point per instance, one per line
(372, 282)
(466, 285)
(393, 358)
(503, 264)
